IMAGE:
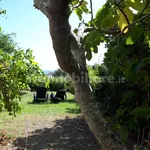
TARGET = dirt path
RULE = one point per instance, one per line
(53, 133)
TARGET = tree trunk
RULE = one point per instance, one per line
(71, 58)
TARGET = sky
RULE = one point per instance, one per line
(32, 30)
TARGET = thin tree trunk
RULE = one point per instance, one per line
(71, 59)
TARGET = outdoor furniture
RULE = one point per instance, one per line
(54, 99)
(61, 94)
(41, 94)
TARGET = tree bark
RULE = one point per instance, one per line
(71, 58)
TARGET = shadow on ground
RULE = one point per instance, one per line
(67, 134)
(51, 102)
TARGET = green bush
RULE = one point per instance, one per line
(69, 86)
(57, 83)
(126, 103)
(42, 80)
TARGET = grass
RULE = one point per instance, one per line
(47, 108)
(32, 111)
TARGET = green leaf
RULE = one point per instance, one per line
(141, 112)
(130, 121)
(95, 50)
(74, 2)
(69, 11)
(122, 23)
(146, 102)
(93, 38)
(146, 60)
(119, 113)
(129, 40)
(136, 67)
(89, 55)
(145, 78)
(134, 34)
(78, 11)
(84, 7)
(147, 37)
(101, 14)
(136, 4)
(123, 131)
(109, 21)
(2, 12)
(75, 31)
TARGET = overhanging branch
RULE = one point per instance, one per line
(42, 6)
(91, 7)
(112, 31)
(135, 22)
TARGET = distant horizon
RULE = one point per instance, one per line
(47, 71)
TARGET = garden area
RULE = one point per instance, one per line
(79, 106)
(46, 126)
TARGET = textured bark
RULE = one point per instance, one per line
(71, 59)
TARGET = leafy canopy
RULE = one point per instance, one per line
(124, 27)
(17, 68)
(115, 18)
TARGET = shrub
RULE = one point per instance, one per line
(57, 83)
(69, 86)
(126, 105)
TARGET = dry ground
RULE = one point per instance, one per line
(46, 127)
(50, 133)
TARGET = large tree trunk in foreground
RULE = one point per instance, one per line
(71, 59)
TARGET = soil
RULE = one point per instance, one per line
(51, 133)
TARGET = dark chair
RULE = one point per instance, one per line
(41, 94)
(54, 99)
(61, 94)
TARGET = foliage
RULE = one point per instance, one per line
(131, 62)
(60, 80)
(116, 17)
(93, 78)
(38, 80)
(17, 67)
(7, 43)
(69, 86)
(125, 28)
(79, 7)
(57, 83)
(2, 11)
(59, 73)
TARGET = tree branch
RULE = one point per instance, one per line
(71, 58)
(123, 13)
(80, 3)
(113, 31)
(135, 22)
(42, 6)
(91, 6)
